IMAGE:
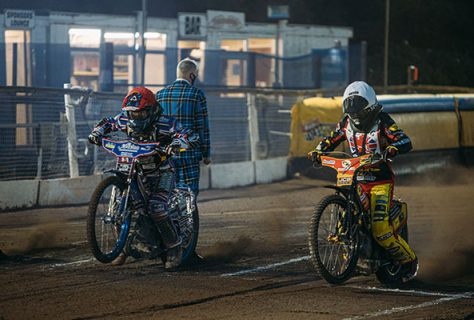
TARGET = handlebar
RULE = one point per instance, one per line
(365, 160)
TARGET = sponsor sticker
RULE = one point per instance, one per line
(325, 161)
(129, 147)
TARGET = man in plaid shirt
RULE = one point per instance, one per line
(188, 105)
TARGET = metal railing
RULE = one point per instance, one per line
(37, 124)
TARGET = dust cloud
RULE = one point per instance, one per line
(450, 252)
(44, 236)
(447, 249)
(270, 230)
(227, 251)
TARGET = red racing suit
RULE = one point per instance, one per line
(378, 181)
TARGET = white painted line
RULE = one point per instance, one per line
(406, 308)
(270, 266)
(72, 263)
(78, 243)
(252, 211)
(445, 298)
(415, 292)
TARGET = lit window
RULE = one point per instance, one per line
(18, 73)
(85, 64)
(120, 38)
(84, 38)
(264, 65)
(233, 45)
(155, 41)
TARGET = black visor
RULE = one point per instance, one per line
(139, 114)
(356, 107)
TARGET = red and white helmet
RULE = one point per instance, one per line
(142, 109)
(138, 99)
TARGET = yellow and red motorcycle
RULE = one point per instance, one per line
(340, 238)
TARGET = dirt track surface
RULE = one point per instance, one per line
(255, 266)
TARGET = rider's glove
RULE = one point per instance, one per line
(95, 138)
(391, 151)
(173, 147)
(315, 156)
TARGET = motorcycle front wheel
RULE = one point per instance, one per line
(190, 248)
(107, 225)
(332, 254)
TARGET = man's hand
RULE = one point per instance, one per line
(315, 156)
(206, 161)
(95, 138)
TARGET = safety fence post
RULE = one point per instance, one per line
(71, 133)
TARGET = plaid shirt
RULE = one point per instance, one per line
(188, 105)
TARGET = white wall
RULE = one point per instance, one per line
(54, 192)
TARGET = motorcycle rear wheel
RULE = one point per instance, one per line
(335, 261)
(107, 231)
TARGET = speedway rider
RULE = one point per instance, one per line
(142, 120)
(369, 130)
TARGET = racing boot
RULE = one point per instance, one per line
(410, 270)
(174, 257)
(171, 240)
(120, 259)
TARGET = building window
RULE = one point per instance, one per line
(18, 69)
(85, 56)
(264, 64)
(233, 45)
(155, 60)
(234, 69)
(194, 50)
(18, 57)
(123, 44)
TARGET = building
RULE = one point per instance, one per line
(105, 52)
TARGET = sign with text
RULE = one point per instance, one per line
(192, 26)
(225, 20)
(19, 19)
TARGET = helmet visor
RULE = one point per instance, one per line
(356, 107)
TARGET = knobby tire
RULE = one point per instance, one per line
(314, 247)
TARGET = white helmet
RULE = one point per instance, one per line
(360, 103)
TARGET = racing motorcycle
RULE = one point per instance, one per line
(340, 238)
(116, 219)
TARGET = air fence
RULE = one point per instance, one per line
(43, 132)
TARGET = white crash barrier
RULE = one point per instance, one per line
(18, 194)
(236, 174)
(270, 170)
(67, 191)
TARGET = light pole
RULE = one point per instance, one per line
(142, 44)
(385, 58)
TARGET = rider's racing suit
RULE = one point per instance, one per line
(376, 181)
(159, 176)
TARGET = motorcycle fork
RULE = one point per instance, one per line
(126, 195)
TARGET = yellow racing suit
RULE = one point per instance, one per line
(377, 182)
